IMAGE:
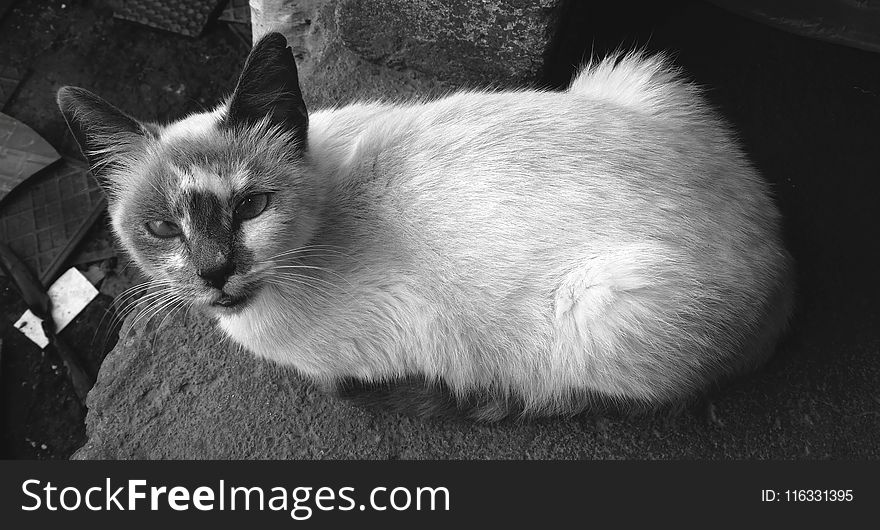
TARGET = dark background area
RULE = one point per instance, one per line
(152, 74)
(807, 111)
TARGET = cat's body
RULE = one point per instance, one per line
(529, 247)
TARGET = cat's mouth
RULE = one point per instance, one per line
(236, 300)
(228, 301)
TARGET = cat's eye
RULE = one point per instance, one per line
(163, 229)
(251, 206)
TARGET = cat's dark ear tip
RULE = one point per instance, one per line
(68, 95)
(64, 94)
(272, 39)
(66, 99)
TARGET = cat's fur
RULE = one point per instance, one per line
(530, 251)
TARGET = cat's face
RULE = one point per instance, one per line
(210, 205)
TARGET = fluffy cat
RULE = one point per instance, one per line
(527, 252)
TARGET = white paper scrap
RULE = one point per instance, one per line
(70, 294)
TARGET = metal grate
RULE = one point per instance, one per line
(45, 219)
(186, 17)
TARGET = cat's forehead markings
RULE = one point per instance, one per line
(240, 177)
(186, 223)
(196, 178)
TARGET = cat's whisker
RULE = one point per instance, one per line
(308, 252)
(323, 294)
(308, 249)
(160, 308)
(292, 271)
(134, 289)
(143, 305)
(137, 294)
(317, 252)
(319, 291)
(288, 268)
(284, 259)
(143, 300)
(119, 308)
(151, 310)
(145, 285)
(110, 311)
(127, 295)
(181, 302)
(174, 308)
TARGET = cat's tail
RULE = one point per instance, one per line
(649, 84)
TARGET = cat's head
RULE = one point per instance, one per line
(206, 204)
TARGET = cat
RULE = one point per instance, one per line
(489, 253)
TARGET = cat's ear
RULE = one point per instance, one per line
(269, 86)
(102, 131)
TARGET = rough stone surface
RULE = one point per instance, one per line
(392, 49)
(177, 390)
(485, 42)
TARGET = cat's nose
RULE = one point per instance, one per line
(217, 276)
